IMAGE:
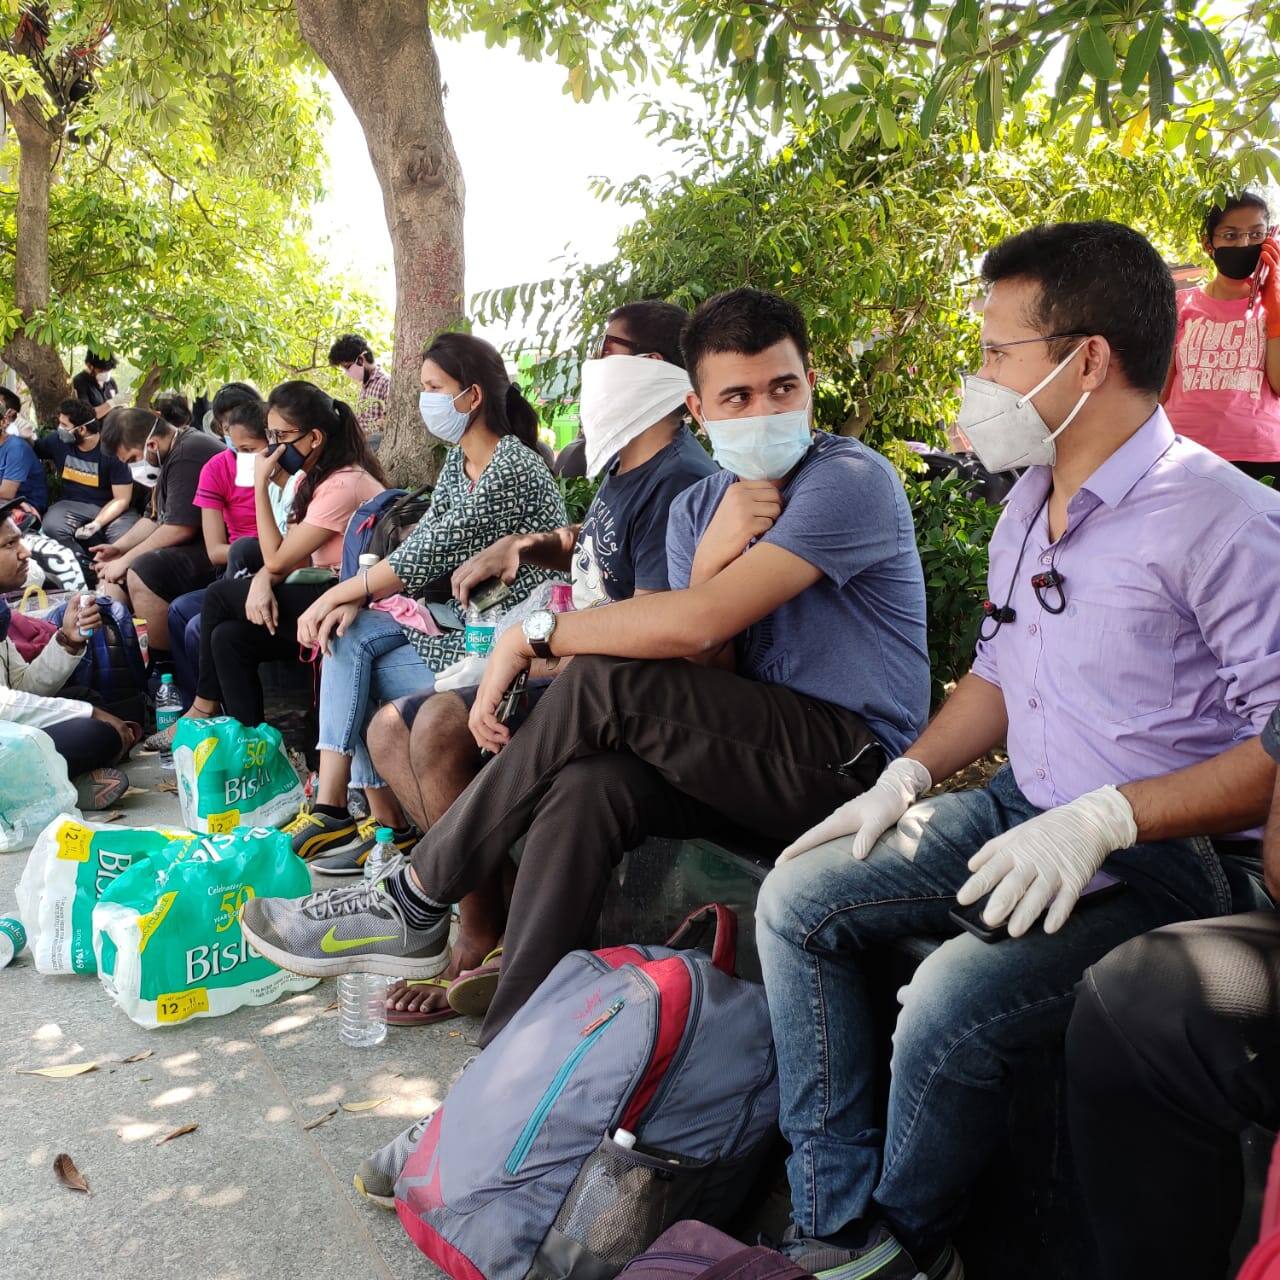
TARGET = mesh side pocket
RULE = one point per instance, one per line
(623, 1200)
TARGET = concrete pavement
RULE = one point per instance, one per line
(251, 1193)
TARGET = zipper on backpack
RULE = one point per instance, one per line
(686, 1041)
(533, 1126)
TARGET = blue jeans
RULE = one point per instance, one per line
(373, 663)
(184, 643)
(971, 1011)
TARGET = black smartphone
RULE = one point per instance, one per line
(969, 918)
(510, 701)
(488, 593)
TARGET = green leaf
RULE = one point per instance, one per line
(1094, 47)
(888, 123)
(1141, 53)
(933, 101)
(1217, 56)
(1160, 86)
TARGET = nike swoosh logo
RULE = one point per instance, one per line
(329, 944)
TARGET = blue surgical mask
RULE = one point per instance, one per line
(761, 448)
(442, 417)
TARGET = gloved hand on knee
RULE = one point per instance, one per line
(87, 531)
(871, 814)
(1048, 860)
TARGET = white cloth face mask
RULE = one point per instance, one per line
(621, 398)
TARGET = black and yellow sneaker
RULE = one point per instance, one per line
(350, 862)
(316, 834)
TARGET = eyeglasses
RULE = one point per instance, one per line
(1019, 342)
(1228, 238)
(609, 341)
(275, 439)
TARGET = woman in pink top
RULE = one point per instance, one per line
(248, 621)
(1224, 383)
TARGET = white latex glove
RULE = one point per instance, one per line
(466, 673)
(873, 812)
(1048, 859)
(87, 531)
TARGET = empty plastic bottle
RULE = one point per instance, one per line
(168, 709)
(362, 997)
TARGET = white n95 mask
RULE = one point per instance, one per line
(622, 397)
(1004, 427)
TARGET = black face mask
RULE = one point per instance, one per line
(1237, 261)
(292, 460)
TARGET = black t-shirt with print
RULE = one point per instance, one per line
(622, 545)
(87, 475)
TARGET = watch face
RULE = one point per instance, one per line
(539, 625)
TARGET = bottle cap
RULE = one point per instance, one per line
(368, 560)
(167, 678)
(384, 835)
(624, 1138)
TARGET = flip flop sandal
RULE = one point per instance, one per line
(471, 992)
(416, 1018)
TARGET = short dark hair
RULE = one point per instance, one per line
(1245, 200)
(349, 348)
(231, 394)
(96, 360)
(746, 321)
(129, 428)
(76, 412)
(174, 408)
(248, 415)
(655, 327)
(11, 399)
(1096, 278)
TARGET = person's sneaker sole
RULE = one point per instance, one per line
(383, 1202)
(393, 966)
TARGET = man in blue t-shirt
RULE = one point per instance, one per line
(97, 488)
(772, 683)
(21, 475)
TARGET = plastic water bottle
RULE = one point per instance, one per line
(168, 709)
(477, 640)
(85, 601)
(362, 997)
(13, 937)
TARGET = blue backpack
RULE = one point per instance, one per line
(112, 665)
(637, 1087)
(379, 526)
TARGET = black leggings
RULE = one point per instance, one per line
(232, 648)
(1173, 1050)
(85, 744)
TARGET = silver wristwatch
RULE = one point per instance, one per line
(538, 629)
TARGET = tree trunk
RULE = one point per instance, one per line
(37, 363)
(145, 391)
(384, 60)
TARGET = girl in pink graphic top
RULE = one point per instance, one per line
(1224, 383)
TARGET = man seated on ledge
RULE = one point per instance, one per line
(1172, 1052)
(771, 682)
(1129, 660)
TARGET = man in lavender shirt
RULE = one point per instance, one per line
(1132, 658)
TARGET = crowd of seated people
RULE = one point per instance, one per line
(747, 660)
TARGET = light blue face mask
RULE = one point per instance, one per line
(765, 447)
(442, 417)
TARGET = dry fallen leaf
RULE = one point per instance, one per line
(454, 1034)
(167, 785)
(135, 791)
(139, 1056)
(329, 1008)
(64, 1072)
(67, 1173)
(112, 815)
(322, 1119)
(367, 1105)
(179, 1132)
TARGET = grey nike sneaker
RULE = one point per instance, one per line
(355, 929)
(376, 1177)
(881, 1258)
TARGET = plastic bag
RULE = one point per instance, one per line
(232, 776)
(69, 868)
(34, 787)
(167, 936)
